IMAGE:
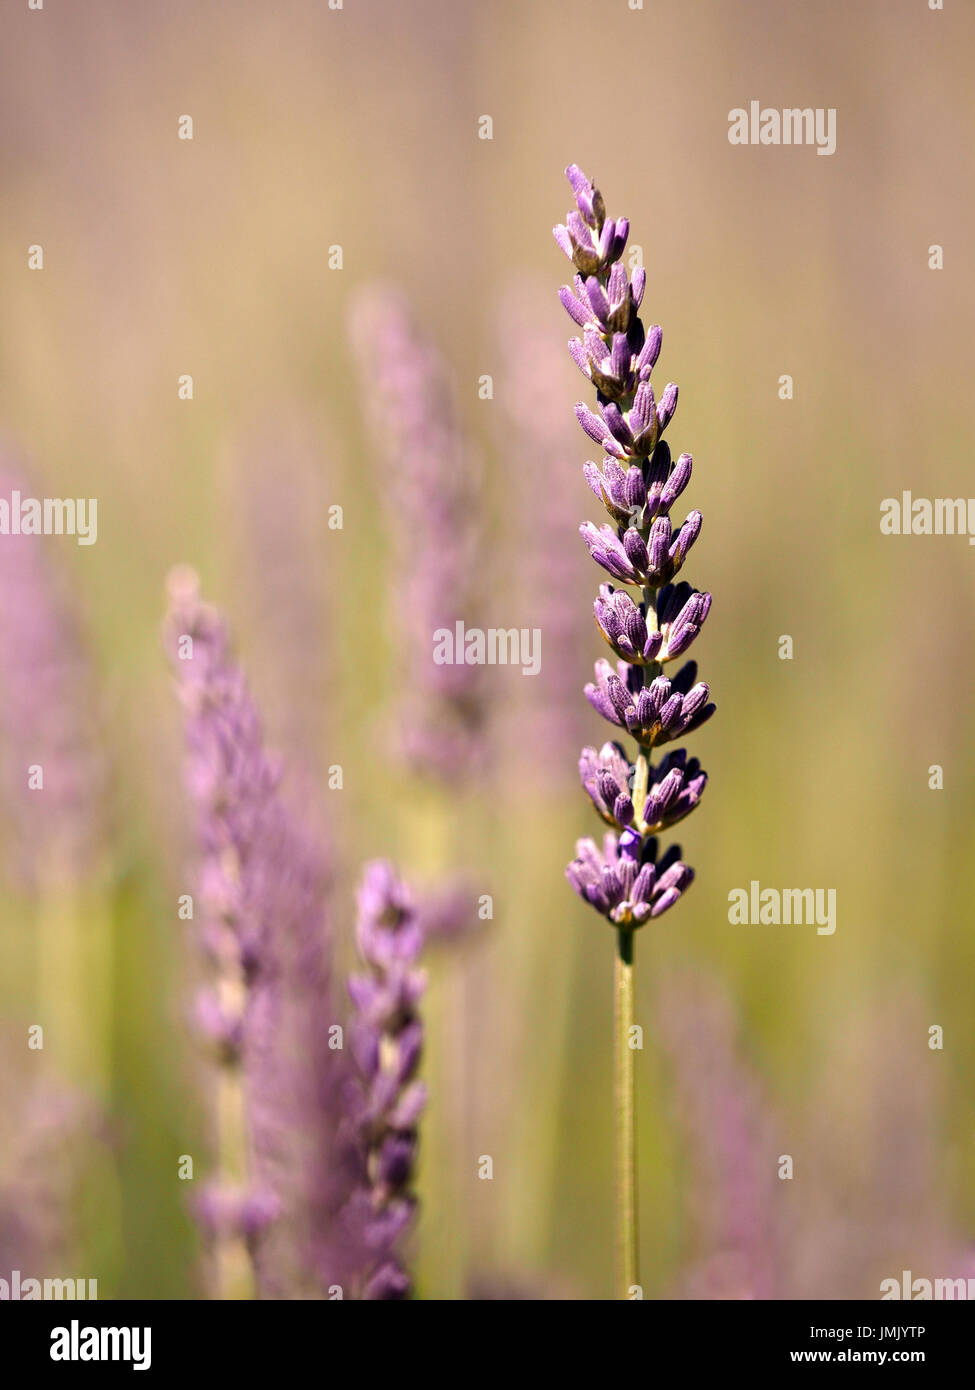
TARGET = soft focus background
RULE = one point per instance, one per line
(359, 128)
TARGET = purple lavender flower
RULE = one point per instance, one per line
(627, 882)
(386, 1101)
(260, 908)
(675, 787)
(429, 492)
(653, 711)
(638, 483)
(680, 615)
(608, 776)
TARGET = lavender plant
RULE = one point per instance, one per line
(385, 1103)
(315, 1153)
(261, 904)
(631, 880)
(428, 487)
(427, 480)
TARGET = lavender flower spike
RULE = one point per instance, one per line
(638, 483)
(431, 503)
(259, 908)
(640, 547)
(386, 1101)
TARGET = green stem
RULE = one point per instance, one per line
(234, 1275)
(627, 1264)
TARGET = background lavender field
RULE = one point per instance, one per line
(359, 128)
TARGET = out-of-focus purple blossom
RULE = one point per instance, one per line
(386, 1099)
(867, 1208)
(267, 1009)
(626, 882)
(535, 437)
(429, 489)
(53, 1139)
(224, 1211)
(448, 912)
(875, 1200)
(54, 833)
(739, 1208)
(277, 482)
(229, 775)
(638, 482)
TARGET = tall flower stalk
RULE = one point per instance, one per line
(259, 905)
(428, 486)
(427, 480)
(630, 879)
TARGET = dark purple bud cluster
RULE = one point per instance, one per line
(638, 482)
(626, 881)
(680, 614)
(674, 788)
(654, 711)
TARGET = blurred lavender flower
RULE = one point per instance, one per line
(261, 899)
(47, 704)
(739, 1208)
(535, 440)
(876, 1200)
(275, 485)
(447, 912)
(54, 1138)
(428, 487)
(386, 1101)
(873, 1201)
